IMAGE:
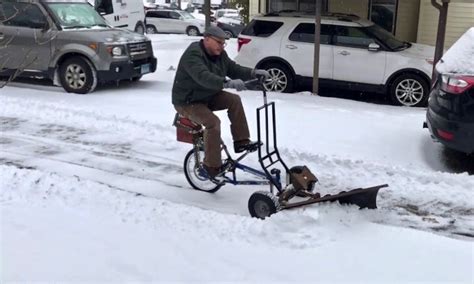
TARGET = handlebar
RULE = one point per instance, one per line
(255, 84)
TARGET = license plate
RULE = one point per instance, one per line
(145, 68)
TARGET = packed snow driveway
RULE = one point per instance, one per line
(144, 158)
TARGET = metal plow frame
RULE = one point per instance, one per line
(362, 197)
(263, 204)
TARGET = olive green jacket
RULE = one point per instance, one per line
(200, 76)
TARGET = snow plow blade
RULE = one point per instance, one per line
(362, 197)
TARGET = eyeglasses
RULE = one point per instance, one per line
(221, 43)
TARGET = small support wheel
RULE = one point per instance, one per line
(262, 204)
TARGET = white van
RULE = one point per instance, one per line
(127, 14)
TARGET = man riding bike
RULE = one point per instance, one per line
(198, 91)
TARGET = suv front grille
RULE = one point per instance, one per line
(139, 50)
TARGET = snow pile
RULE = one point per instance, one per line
(92, 190)
(70, 229)
(460, 57)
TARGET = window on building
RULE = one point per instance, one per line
(295, 5)
(383, 13)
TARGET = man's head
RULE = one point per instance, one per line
(214, 40)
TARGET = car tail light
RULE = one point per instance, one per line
(241, 41)
(456, 84)
(445, 135)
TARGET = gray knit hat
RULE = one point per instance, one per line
(215, 32)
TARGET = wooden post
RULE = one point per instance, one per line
(443, 19)
(317, 42)
(207, 12)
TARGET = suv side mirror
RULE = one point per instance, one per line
(374, 47)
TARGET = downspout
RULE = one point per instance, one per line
(317, 43)
(207, 12)
(443, 19)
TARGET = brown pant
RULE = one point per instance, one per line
(203, 114)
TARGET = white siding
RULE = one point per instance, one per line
(460, 19)
(356, 7)
(407, 19)
(253, 8)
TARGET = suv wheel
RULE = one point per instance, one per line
(281, 79)
(150, 29)
(409, 90)
(192, 31)
(136, 79)
(140, 28)
(77, 75)
(229, 33)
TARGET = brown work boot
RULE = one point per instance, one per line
(246, 145)
(212, 172)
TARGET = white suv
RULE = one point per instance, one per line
(173, 21)
(354, 54)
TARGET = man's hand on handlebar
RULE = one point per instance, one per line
(260, 73)
(237, 84)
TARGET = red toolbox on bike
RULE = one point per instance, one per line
(186, 129)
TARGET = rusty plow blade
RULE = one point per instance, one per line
(362, 197)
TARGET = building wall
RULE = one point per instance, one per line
(253, 7)
(407, 20)
(356, 7)
(460, 19)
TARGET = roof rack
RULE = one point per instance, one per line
(294, 13)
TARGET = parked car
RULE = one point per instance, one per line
(354, 54)
(231, 26)
(226, 13)
(450, 113)
(149, 5)
(173, 21)
(70, 43)
(114, 11)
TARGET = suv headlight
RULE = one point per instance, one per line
(117, 50)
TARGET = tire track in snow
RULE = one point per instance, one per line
(416, 198)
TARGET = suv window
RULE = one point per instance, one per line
(261, 28)
(352, 37)
(304, 32)
(104, 7)
(23, 15)
(174, 15)
(157, 14)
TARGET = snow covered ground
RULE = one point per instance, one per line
(92, 189)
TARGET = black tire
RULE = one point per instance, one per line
(136, 79)
(282, 79)
(230, 34)
(140, 28)
(192, 31)
(410, 90)
(193, 177)
(77, 75)
(263, 204)
(150, 29)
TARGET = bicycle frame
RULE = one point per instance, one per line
(232, 165)
(267, 157)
